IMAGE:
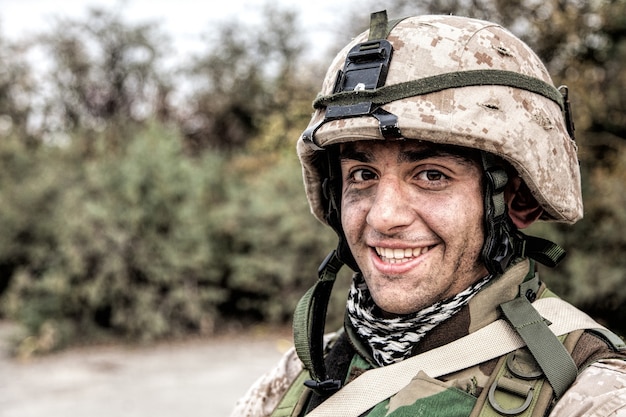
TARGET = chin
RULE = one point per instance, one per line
(392, 308)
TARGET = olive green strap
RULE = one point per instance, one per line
(611, 338)
(554, 360)
(309, 324)
(435, 83)
(380, 26)
(542, 250)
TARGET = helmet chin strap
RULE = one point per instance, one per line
(331, 188)
(503, 241)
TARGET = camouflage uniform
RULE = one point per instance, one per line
(513, 111)
(600, 390)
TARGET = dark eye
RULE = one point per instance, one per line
(432, 175)
(361, 175)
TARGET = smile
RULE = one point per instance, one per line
(394, 256)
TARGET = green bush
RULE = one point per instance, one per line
(593, 273)
(144, 242)
(273, 243)
(126, 238)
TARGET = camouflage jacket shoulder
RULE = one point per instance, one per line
(599, 391)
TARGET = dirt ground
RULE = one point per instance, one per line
(192, 378)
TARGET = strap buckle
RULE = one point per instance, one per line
(323, 388)
(513, 387)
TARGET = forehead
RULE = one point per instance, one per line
(407, 151)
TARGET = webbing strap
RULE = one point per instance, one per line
(552, 357)
(378, 25)
(435, 83)
(543, 251)
(502, 243)
(310, 317)
(378, 384)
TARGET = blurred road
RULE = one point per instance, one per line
(193, 378)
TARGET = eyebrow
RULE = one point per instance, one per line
(349, 153)
(405, 156)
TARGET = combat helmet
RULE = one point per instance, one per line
(454, 81)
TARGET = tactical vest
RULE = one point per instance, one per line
(510, 385)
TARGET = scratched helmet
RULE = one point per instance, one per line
(454, 81)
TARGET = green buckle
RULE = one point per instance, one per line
(516, 384)
(511, 386)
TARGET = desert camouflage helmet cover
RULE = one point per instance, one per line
(524, 127)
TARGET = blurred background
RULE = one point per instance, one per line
(149, 187)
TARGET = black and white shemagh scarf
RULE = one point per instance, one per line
(392, 340)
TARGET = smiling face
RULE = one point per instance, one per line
(412, 213)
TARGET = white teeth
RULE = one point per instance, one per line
(400, 255)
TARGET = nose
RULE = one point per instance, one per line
(391, 209)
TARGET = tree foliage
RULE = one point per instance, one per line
(16, 89)
(145, 242)
(246, 74)
(105, 74)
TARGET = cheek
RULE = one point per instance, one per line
(460, 218)
(472, 211)
(353, 213)
(472, 224)
(354, 206)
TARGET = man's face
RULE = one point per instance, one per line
(412, 214)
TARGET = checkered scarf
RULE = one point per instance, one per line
(392, 340)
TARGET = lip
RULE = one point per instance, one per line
(399, 267)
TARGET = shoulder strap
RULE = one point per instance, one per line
(378, 384)
(552, 357)
(309, 324)
(610, 338)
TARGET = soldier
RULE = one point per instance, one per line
(435, 140)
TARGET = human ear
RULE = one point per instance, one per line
(524, 210)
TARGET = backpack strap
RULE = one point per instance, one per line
(309, 325)
(610, 338)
